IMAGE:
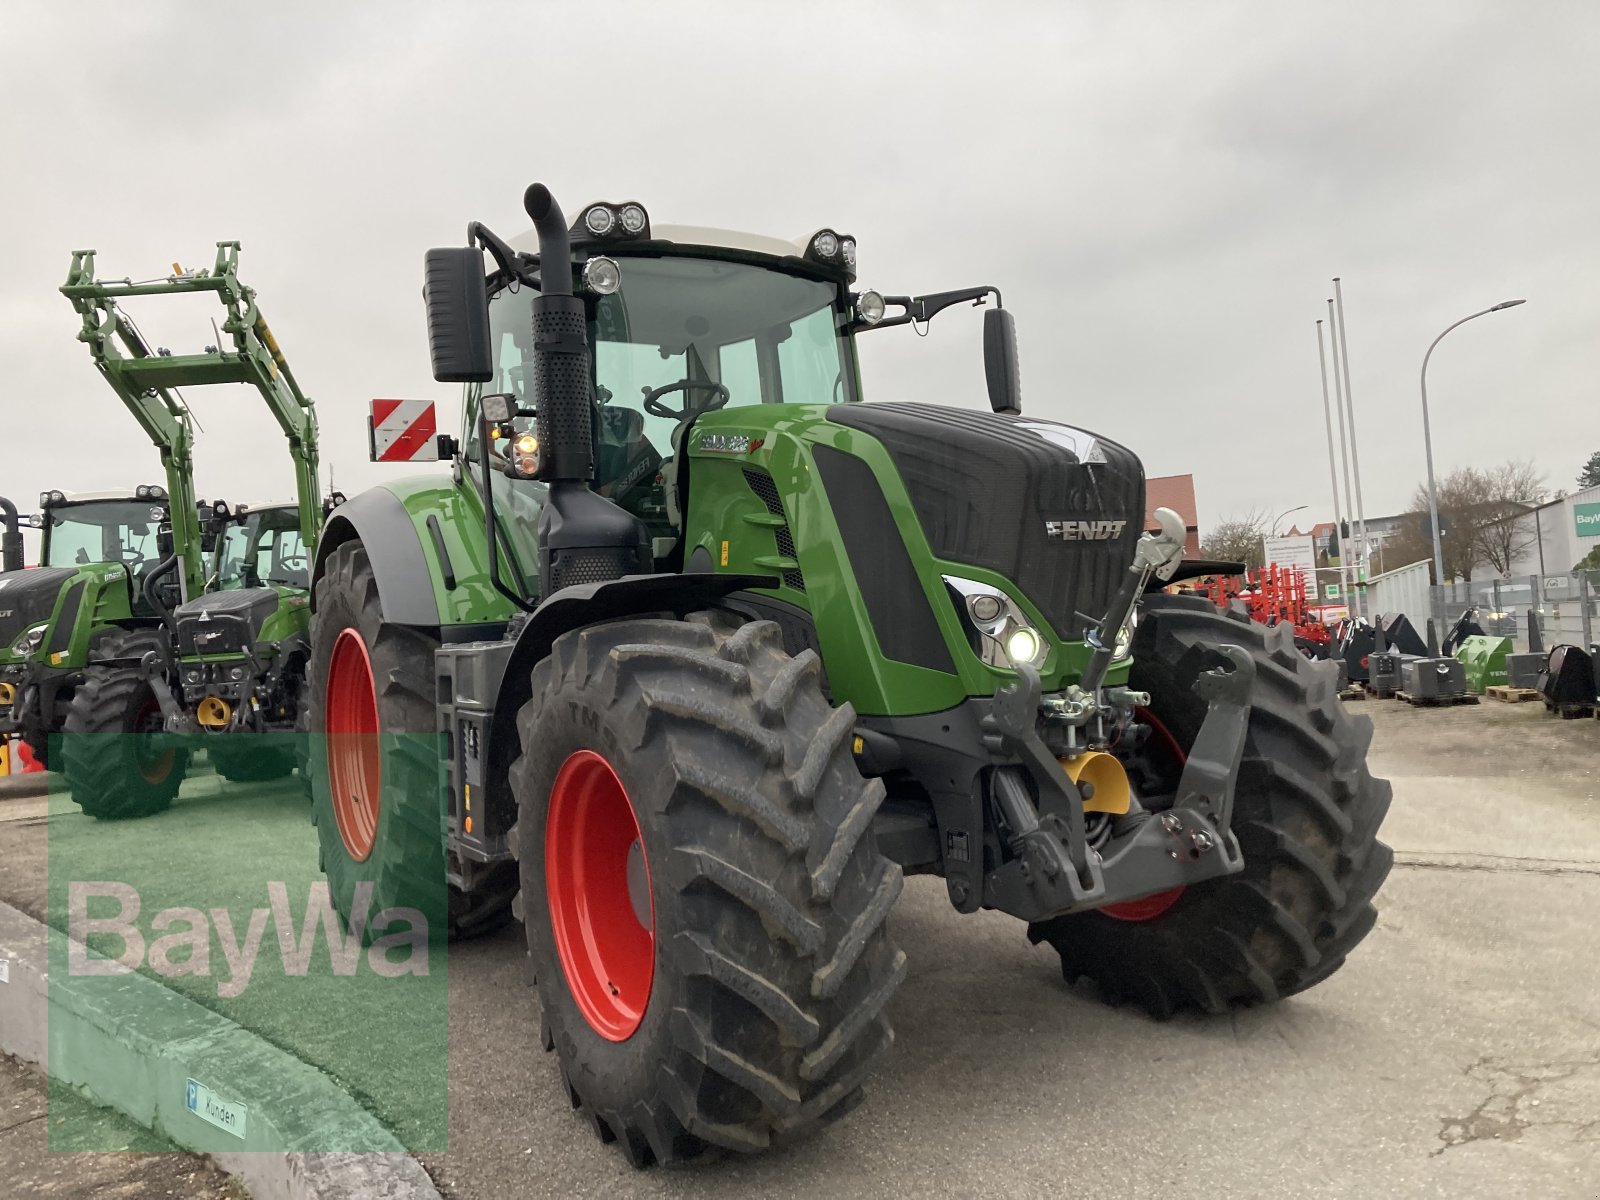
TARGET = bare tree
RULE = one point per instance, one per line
(1480, 513)
(1238, 539)
(1509, 491)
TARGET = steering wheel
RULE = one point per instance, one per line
(653, 405)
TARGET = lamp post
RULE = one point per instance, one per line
(1285, 513)
(1427, 437)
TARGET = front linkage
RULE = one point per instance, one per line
(1054, 870)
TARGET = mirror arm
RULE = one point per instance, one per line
(506, 259)
(925, 308)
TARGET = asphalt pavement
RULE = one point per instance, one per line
(1456, 1054)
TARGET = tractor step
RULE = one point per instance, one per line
(1511, 695)
(1436, 701)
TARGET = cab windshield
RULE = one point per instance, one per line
(264, 548)
(680, 337)
(101, 531)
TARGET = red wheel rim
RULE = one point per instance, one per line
(603, 922)
(1148, 908)
(355, 769)
(154, 765)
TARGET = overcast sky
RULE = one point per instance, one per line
(1161, 191)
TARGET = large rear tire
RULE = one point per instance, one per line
(1306, 813)
(111, 768)
(374, 757)
(714, 976)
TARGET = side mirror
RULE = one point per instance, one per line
(457, 299)
(1000, 361)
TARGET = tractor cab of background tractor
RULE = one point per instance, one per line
(105, 564)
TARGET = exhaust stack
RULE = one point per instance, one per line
(583, 537)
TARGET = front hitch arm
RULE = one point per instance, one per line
(1054, 870)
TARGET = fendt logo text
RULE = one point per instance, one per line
(1084, 531)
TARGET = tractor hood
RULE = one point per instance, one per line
(28, 598)
(1053, 508)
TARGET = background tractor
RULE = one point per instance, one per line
(703, 654)
(97, 582)
(226, 655)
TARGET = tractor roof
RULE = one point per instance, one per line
(83, 497)
(697, 235)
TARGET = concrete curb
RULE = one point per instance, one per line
(15, 787)
(132, 1045)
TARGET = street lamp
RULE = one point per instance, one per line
(1285, 513)
(1427, 437)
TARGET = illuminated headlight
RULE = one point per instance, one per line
(599, 220)
(602, 276)
(1023, 644)
(1006, 636)
(30, 641)
(632, 218)
(870, 307)
(525, 454)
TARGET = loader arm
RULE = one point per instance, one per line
(147, 384)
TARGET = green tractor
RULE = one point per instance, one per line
(97, 582)
(717, 653)
(227, 654)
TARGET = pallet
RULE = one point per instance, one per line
(1569, 712)
(1380, 693)
(1354, 692)
(1436, 701)
(1511, 695)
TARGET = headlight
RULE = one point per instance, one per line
(632, 218)
(602, 276)
(235, 672)
(599, 220)
(847, 247)
(870, 307)
(826, 244)
(1022, 644)
(30, 641)
(1006, 637)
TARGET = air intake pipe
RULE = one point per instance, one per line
(11, 539)
(583, 537)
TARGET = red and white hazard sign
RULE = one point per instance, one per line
(404, 431)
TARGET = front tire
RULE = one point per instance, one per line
(251, 757)
(1306, 813)
(738, 923)
(109, 764)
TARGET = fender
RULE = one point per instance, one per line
(586, 604)
(590, 603)
(378, 520)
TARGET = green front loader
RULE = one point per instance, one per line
(694, 654)
(225, 653)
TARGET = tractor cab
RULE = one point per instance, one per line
(681, 322)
